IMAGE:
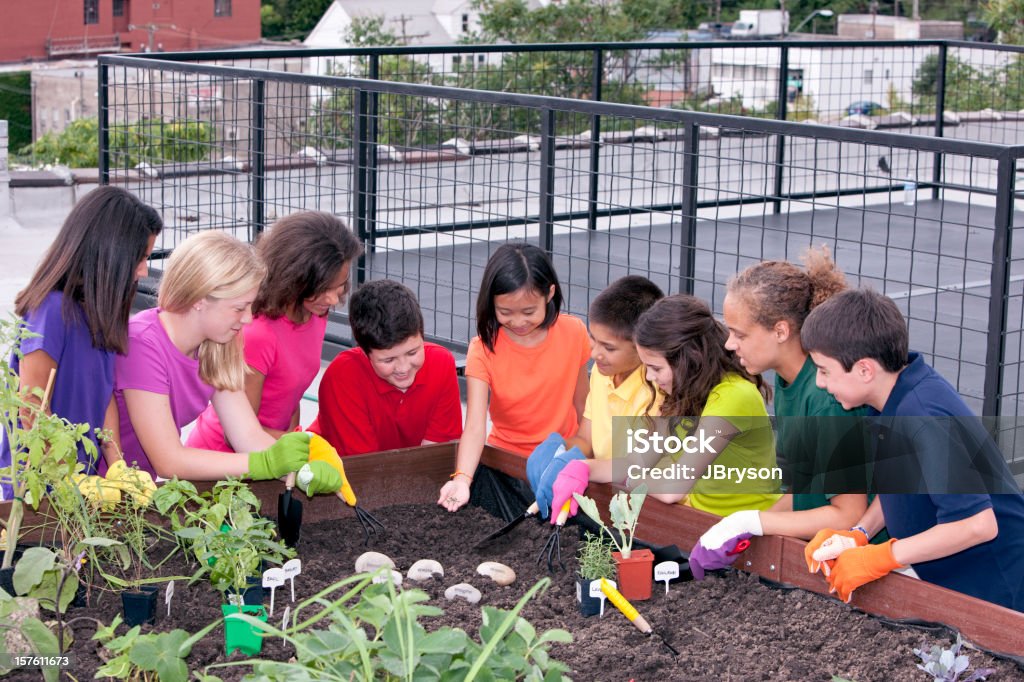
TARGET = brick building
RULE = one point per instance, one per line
(47, 29)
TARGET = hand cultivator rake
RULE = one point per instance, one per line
(552, 548)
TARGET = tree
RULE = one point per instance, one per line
(1006, 17)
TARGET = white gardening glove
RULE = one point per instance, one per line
(831, 549)
(733, 525)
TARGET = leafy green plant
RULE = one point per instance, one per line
(946, 665)
(372, 632)
(44, 447)
(150, 657)
(595, 557)
(624, 509)
(24, 631)
(223, 530)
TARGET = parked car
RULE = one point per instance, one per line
(864, 108)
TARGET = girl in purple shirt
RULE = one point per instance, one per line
(186, 353)
(308, 257)
(78, 302)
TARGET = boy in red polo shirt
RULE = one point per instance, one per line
(395, 390)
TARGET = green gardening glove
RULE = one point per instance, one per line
(318, 478)
(288, 454)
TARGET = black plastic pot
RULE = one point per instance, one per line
(253, 595)
(7, 580)
(589, 606)
(140, 605)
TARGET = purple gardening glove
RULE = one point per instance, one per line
(704, 559)
(720, 544)
(573, 478)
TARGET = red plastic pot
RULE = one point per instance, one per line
(635, 574)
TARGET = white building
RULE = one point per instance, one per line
(414, 22)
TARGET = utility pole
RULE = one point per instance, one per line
(403, 19)
(151, 29)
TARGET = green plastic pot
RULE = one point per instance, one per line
(239, 635)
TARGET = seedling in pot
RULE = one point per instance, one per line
(624, 509)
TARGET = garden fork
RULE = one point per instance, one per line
(553, 547)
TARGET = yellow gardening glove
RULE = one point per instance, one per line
(320, 453)
(97, 490)
(137, 483)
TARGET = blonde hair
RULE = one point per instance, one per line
(212, 265)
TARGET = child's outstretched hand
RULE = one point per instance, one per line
(454, 494)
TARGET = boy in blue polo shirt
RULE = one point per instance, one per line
(948, 500)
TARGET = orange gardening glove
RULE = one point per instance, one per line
(860, 566)
(322, 451)
(829, 544)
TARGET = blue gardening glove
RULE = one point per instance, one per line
(541, 457)
(718, 546)
(543, 491)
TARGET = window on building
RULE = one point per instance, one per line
(465, 23)
(869, 76)
(119, 8)
(456, 60)
(480, 58)
(222, 8)
(92, 11)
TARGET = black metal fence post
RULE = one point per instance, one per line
(940, 117)
(547, 180)
(372, 109)
(595, 139)
(998, 302)
(780, 140)
(103, 160)
(691, 178)
(360, 180)
(259, 160)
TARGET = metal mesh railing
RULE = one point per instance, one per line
(434, 178)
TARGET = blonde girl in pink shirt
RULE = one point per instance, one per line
(308, 257)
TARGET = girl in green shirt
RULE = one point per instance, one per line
(817, 440)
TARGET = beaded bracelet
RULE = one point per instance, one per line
(862, 530)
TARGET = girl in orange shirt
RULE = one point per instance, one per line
(528, 362)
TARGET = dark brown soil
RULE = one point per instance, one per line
(728, 627)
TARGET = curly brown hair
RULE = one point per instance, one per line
(777, 290)
(683, 330)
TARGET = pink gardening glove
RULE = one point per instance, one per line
(573, 479)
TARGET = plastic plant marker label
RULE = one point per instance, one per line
(284, 621)
(273, 578)
(595, 591)
(168, 594)
(292, 568)
(666, 570)
(579, 592)
(396, 578)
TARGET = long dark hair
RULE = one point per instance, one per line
(303, 253)
(511, 267)
(92, 262)
(682, 329)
